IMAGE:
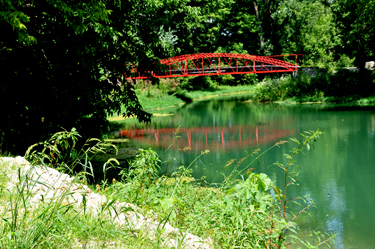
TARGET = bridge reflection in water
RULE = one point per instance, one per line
(211, 138)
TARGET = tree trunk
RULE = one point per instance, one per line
(260, 24)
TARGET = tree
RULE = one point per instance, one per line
(356, 22)
(310, 30)
(55, 55)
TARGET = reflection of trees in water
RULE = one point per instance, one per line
(342, 164)
(372, 127)
(339, 174)
(202, 138)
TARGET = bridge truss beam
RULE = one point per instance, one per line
(206, 64)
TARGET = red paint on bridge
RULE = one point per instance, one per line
(203, 138)
(205, 64)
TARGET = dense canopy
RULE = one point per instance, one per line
(62, 62)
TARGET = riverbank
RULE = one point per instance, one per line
(52, 197)
(139, 209)
(343, 87)
(356, 88)
(165, 102)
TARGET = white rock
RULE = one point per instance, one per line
(60, 184)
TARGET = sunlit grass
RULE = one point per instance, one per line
(162, 103)
(221, 91)
(53, 223)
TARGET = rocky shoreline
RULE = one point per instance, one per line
(48, 184)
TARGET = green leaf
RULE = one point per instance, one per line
(166, 203)
(266, 181)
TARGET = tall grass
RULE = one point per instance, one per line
(50, 223)
(246, 211)
(54, 221)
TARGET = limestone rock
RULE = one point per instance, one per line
(49, 184)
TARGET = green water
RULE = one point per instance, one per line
(339, 175)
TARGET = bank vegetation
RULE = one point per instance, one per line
(245, 210)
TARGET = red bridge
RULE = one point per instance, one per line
(206, 64)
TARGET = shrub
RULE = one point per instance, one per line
(234, 80)
(304, 87)
(347, 83)
(246, 211)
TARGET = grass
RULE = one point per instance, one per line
(240, 212)
(154, 103)
(169, 95)
(222, 91)
(162, 100)
(54, 224)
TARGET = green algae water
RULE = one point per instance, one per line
(339, 174)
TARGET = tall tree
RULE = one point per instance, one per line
(54, 57)
(201, 35)
(310, 29)
(356, 22)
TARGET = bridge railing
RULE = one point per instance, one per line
(206, 64)
(299, 58)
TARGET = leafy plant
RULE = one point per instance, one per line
(291, 178)
(246, 210)
(143, 169)
(300, 87)
(60, 152)
(53, 222)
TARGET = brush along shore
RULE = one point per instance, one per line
(44, 208)
(34, 190)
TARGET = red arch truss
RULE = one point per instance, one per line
(205, 64)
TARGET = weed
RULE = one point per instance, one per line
(60, 152)
(53, 221)
(246, 211)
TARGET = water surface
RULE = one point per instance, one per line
(339, 175)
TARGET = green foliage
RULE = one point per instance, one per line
(309, 28)
(291, 174)
(242, 212)
(227, 79)
(198, 83)
(61, 152)
(225, 216)
(255, 191)
(14, 14)
(53, 223)
(248, 212)
(239, 79)
(344, 61)
(284, 87)
(304, 87)
(63, 64)
(354, 18)
(22, 230)
(346, 83)
(143, 170)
